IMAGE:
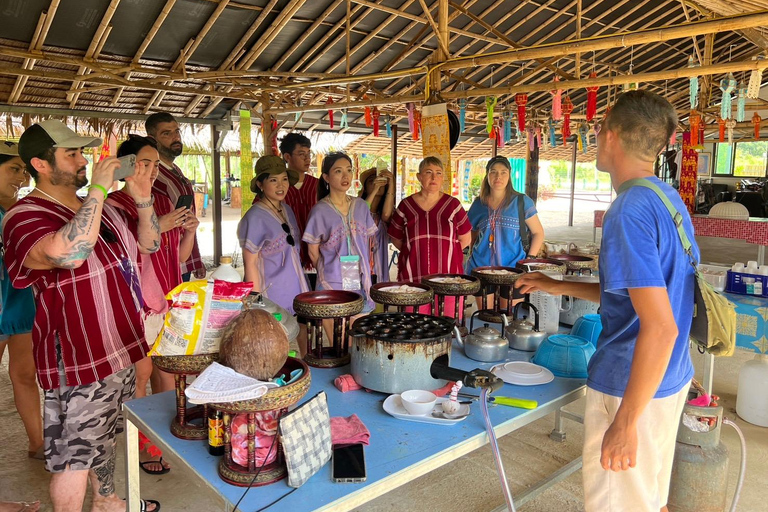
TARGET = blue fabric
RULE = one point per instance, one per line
(507, 247)
(518, 173)
(18, 306)
(641, 249)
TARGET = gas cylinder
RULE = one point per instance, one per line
(700, 469)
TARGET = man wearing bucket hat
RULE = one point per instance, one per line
(269, 236)
(640, 374)
(81, 260)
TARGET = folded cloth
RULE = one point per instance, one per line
(349, 430)
(701, 401)
(219, 383)
(443, 390)
(346, 383)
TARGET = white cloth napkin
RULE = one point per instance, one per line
(219, 383)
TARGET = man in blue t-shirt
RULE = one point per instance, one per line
(640, 373)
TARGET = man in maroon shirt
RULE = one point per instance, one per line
(81, 260)
(170, 181)
(295, 149)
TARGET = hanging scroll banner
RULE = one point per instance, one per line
(246, 161)
(436, 139)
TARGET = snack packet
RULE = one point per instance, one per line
(200, 310)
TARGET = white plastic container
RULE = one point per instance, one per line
(752, 394)
(716, 275)
(550, 307)
(225, 271)
(738, 267)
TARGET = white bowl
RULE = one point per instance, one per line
(418, 402)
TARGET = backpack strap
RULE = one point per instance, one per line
(677, 217)
(524, 233)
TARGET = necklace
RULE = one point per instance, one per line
(49, 196)
(278, 210)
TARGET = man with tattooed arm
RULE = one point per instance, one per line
(80, 259)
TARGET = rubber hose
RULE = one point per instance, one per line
(495, 450)
(742, 466)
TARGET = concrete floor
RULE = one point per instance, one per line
(470, 483)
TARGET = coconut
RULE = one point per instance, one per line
(254, 344)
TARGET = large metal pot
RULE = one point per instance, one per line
(394, 352)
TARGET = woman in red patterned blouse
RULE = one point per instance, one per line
(430, 228)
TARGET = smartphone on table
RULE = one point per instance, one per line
(185, 201)
(127, 167)
(349, 464)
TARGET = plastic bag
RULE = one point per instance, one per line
(350, 273)
(200, 311)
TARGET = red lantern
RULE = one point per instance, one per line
(368, 116)
(274, 137)
(567, 109)
(416, 124)
(376, 115)
(521, 99)
(329, 102)
(693, 120)
(756, 121)
(721, 125)
(591, 99)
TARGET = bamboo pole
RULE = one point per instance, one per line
(440, 41)
(307, 33)
(578, 36)
(264, 41)
(727, 67)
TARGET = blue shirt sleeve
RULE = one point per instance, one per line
(529, 207)
(629, 255)
(477, 213)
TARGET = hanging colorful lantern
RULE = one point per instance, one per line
(741, 104)
(551, 132)
(693, 120)
(388, 125)
(368, 117)
(344, 123)
(730, 125)
(721, 129)
(693, 87)
(755, 81)
(499, 136)
(409, 108)
(756, 121)
(376, 114)
(583, 129)
(329, 102)
(490, 104)
(567, 109)
(416, 124)
(462, 114)
(727, 85)
(557, 106)
(273, 142)
(592, 99)
(673, 138)
(507, 116)
(538, 136)
(521, 99)
(297, 115)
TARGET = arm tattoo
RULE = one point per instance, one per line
(82, 222)
(79, 252)
(154, 233)
(75, 236)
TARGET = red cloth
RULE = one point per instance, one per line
(346, 383)
(430, 239)
(160, 271)
(350, 430)
(444, 390)
(91, 309)
(301, 200)
(172, 183)
(689, 174)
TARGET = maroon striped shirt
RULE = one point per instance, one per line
(172, 183)
(430, 239)
(301, 200)
(91, 309)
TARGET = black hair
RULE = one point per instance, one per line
(150, 125)
(643, 121)
(290, 141)
(49, 155)
(135, 143)
(7, 158)
(323, 188)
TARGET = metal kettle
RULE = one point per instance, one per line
(522, 334)
(485, 344)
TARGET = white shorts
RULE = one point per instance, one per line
(645, 487)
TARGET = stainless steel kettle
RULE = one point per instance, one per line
(485, 344)
(522, 334)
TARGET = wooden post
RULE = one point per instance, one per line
(573, 182)
(393, 159)
(266, 124)
(217, 224)
(532, 172)
(494, 148)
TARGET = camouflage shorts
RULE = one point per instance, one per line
(81, 422)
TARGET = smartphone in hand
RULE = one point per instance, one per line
(185, 201)
(127, 167)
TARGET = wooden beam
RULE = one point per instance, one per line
(306, 34)
(436, 31)
(281, 21)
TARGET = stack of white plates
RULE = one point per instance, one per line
(521, 373)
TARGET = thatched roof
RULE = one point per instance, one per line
(202, 59)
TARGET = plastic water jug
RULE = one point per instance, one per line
(225, 271)
(752, 394)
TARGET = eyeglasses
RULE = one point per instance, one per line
(289, 238)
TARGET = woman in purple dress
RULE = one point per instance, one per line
(339, 231)
(269, 237)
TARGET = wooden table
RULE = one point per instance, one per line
(400, 451)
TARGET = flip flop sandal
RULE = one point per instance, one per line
(144, 503)
(154, 471)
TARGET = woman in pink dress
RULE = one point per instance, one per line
(430, 229)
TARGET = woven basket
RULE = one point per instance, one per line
(185, 365)
(275, 398)
(538, 264)
(576, 262)
(482, 273)
(328, 304)
(424, 296)
(471, 287)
